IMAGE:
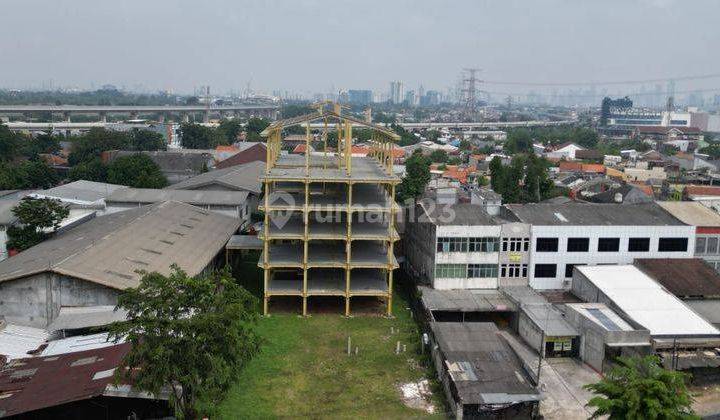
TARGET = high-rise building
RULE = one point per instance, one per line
(360, 97)
(396, 92)
(410, 99)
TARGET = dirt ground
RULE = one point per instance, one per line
(707, 400)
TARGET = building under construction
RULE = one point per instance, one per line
(329, 217)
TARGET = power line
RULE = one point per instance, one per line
(619, 82)
(596, 95)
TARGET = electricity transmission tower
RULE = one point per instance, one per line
(469, 90)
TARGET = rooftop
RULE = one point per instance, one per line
(77, 317)
(483, 368)
(464, 300)
(244, 177)
(646, 302)
(593, 214)
(454, 214)
(682, 276)
(109, 250)
(80, 192)
(692, 213)
(39, 382)
(16, 341)
(325, 168)
(195, 197)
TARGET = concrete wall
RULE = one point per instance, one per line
(593, 257)
(419, 243)
(36, 300)
(530, 332)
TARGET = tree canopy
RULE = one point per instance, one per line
(639, 388)
(35, 217)
(525, 180)
(191, 334)
(417, 168)
(438, 156)
(26, 175)
(254, 127)
(196, 136)
(136, 170)
(90, 145)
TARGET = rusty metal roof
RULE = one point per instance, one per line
(39, 382)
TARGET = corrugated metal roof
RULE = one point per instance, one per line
(75, 317)
(80, 191)
(78, 343)
(593, 214)
(16, 341)
(692, 213)
(195, 197)
(109, 250)
(243, 177)
(39, 382)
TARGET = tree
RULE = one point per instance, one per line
(712, 150)
(42, 143)
(518, 141)
(417, 175)
(141, 139)
(639, 388)
(230, 129)
(137, 171)
(254, 127)
(465, 145)
(34, 218)
(497, 174)
(406, 138)
(92, 170)
(482, 181)
(438, 156)
(37, 174)
(97, 140)
(196, 136)
(192, 334)
(8, 144)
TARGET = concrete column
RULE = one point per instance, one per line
(206, 116)
(133, 115)
(66, 116)
(103, 117)
(185, 117)
(161, 118)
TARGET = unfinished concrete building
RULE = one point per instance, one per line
(329, 217)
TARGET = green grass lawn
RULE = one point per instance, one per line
(303, 369)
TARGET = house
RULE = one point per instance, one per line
(90, 264)
(564, 151)
(480, 373)
(624, 194)
(80, 194)
(564, 236)
(176, 165)
(642, 175)
(248, 152)
(589, 154)
(74, 385)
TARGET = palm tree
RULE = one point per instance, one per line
(639, 388)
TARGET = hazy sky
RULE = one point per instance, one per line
(314, 45)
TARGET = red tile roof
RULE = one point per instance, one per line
(251, 154)
(39, 382)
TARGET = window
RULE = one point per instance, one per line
(569, 269)
(513, 270)
(639, 245)
(482, 270)
(488, 244)
(673, 244)
(546, 245)
(515, 244)
(712, 245)
(578, 244)
(452, 245)
(545, 270)
(700, 245)
(456, 271)
(608, 244)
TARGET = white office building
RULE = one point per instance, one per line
(576, 234)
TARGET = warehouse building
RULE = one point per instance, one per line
(89, 265)
(227, 203)
(692, 280)
(481, 375)
(576, 234)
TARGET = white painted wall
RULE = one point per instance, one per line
(593, 257)
(458, 231)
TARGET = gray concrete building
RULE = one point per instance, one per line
(90, 264)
